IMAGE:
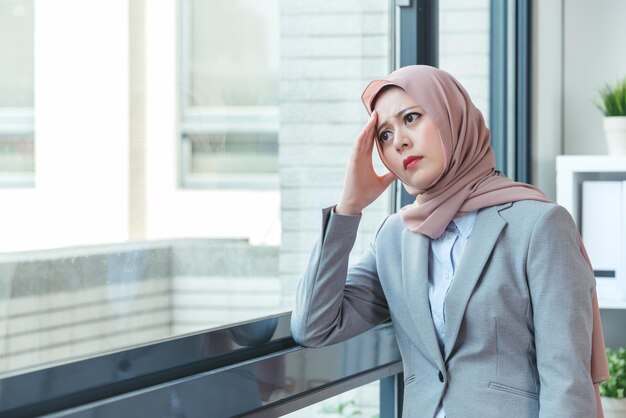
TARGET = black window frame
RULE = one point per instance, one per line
(513, 153)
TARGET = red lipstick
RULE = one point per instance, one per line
(411, 161)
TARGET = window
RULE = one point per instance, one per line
(182, 167)
(116, 252)
(230, 94)
(16, 93)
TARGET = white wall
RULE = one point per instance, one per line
(577, 48)
(594, 53)
(547, 87)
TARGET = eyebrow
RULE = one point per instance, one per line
(397, 115)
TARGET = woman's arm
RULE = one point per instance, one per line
(335, 302)
(561, 288)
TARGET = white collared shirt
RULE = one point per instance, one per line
(443, 258)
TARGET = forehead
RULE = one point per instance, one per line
(391, 100)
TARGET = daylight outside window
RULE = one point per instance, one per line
(16, 93)
(184, 152)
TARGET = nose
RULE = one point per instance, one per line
(402, 140)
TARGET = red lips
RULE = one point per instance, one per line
(410, 158)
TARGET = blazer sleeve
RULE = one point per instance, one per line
(334, 301)
(561, 287)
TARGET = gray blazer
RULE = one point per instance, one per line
(518, 312)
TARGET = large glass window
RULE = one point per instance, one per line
(182, 165)
(230, 93)
(16, 93)
(185, 152)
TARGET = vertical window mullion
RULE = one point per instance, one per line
(523, 93)
(419, 44)
(498, 82)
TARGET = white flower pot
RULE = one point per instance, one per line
(613, 407)
(615, 132)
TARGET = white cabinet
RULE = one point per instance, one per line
(571, 171)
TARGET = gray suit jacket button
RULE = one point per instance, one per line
(440, 377)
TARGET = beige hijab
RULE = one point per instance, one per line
(468, 181)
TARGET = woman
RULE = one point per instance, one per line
(486, 281)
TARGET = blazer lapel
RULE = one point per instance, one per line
(415, 248)
(487, 229)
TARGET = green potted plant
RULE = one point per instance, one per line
(613, 106)
(613, 391)
(344, 409)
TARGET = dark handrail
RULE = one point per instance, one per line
(67, 385)
(249, 368)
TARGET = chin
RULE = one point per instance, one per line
(421, 184)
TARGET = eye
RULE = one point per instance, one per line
(383, 136)
(412, 117)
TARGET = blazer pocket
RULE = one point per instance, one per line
(515, 391)
(409, 380)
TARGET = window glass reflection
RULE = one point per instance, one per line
(182, 166)
(16, 50)
(16, 93)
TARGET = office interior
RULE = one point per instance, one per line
(163, 167)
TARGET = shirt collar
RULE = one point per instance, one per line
(465, 223)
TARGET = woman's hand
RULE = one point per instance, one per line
(362, 185)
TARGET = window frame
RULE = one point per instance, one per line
(510, 111)
(18, 123)
(216, 120)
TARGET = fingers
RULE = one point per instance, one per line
(368, 133)
(371, 124)
(372, 135)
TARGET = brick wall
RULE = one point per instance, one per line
(329, 53)
(464, 46)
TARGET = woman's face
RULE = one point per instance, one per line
(408, 138)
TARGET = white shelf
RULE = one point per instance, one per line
(571, 171)
(611, 304)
